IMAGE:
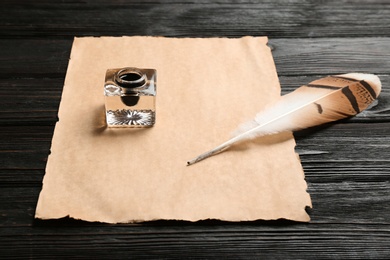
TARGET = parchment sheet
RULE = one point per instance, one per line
(205, 89)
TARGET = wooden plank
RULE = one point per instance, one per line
(36, 58)
(24, 148)
(293, 57)
(348, 218)
(331, 56)
(220, 241)
(348, 201)
(32, 82)
(36, 101)
(337, 152)
(31, 101)
(192, 18)
(346, 164)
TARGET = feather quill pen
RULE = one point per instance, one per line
(321, 101)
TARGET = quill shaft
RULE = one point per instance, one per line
(212, 152)
(227, 144)
(218, 149)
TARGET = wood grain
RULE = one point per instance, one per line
(36, 74)
(196, 19)
(49, 58)
(346, 164)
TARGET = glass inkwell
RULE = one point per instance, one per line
(130, 97)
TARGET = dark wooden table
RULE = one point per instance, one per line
(348, 177)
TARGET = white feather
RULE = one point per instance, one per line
(321, 101)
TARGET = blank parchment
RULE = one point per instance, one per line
(205, 89)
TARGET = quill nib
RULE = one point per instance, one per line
(321, 101)
(207, 154)
(202, 157)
